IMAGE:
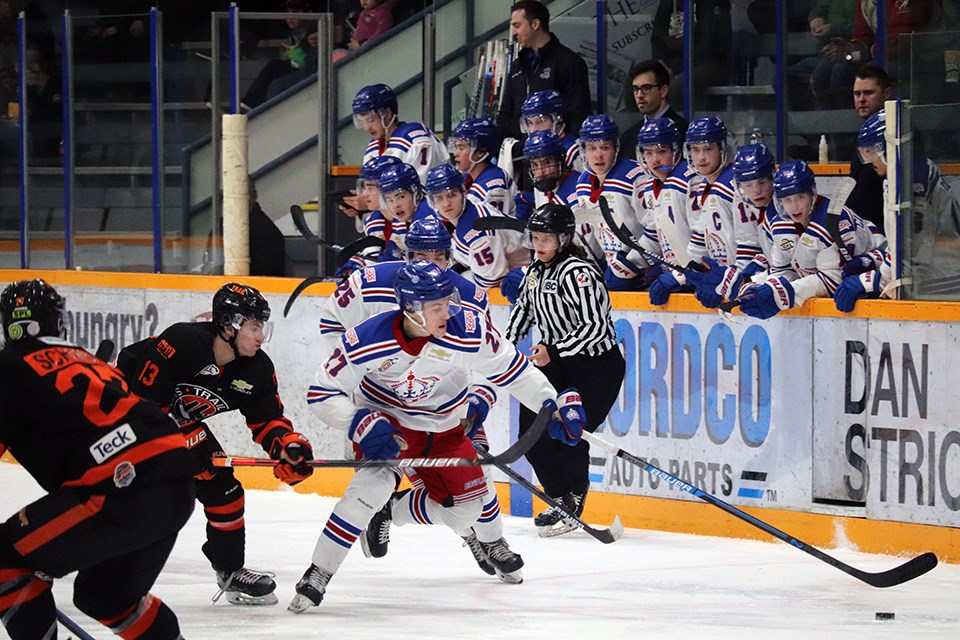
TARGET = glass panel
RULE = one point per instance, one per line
(931, 225)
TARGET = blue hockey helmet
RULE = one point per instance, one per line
(421, 281)
(444, 177)
(372, 169)
(428, 234)
(659, 132)
(706, 129)
(752, 162)
(374, 98)
(31, 308)
(400, 176)
(481, 132)
(596, 128)
(871, 138)
(793, 177)
(544, 144)
(541, 104)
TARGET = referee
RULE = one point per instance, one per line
(564, 296)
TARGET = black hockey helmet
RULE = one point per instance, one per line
(234, 302)
(553, 218)
(31, 308)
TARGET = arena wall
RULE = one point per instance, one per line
(837, 428)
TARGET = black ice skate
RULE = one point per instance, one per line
(506, 563)
(245, 586)
(376, 537)
(572, 505)
(310, 589)
(479, 554)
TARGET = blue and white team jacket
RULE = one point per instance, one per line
(809, 258)
(414, 144)
(369, 291)
(493, 188)
(422, 383)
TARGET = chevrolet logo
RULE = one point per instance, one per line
(242, 385)
(443, 353)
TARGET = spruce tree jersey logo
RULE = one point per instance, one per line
(193, 403)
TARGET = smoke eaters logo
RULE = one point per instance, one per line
(195, 404)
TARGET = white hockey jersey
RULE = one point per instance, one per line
(423, 384)
(722, 225)
(664, 207)
(488, 254)
(493, 188)
(370, 291)
(412, 143)
(809, 258)
(619, 188)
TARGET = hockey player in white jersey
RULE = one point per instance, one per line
(662, 195)
(375, 110)
(608, 177)
(547, 111)
(753, 168)
(934, 244)
(402, 202)
(805, 262)
(490, 254)
(473, 145)
(368, 195)
(711, 209)
(404, 377)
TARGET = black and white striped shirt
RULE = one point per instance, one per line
(568, 302)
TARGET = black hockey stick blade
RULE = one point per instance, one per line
(606, 536)
(306, 282)
(905, 572)
(510, 454)
(105, 350)
(730, 305)
(499, 223)
(296, 212)
(627, 238)
(355, 247)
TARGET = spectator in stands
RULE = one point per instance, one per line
(650, 81)
(828, 79)
(871, 88)
(375, 19)
(901, 17)
(268, 254)
(295, 53)
(543, 63)
(120, 35)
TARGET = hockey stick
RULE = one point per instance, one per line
(606, 536)
(837, 201)
(499, 223)
(306, 282)
(909, 570)
(624, 236)
(105, 350)
(72, 626)
(510, 454)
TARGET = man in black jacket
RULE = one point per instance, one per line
(543, 64)
(650, 83)
(871, 88)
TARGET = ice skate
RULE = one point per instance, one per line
(479, 554)
(245, 586)
(573, 505)
(506, 563)
(310, 589)
(376, 537)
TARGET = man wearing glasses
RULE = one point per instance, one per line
(651, 89)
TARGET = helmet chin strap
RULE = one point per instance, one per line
(419, 325)
(232, 340)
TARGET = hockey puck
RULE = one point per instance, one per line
(885, 615)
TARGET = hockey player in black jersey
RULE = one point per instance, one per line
(117, 474)
(197, 370)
